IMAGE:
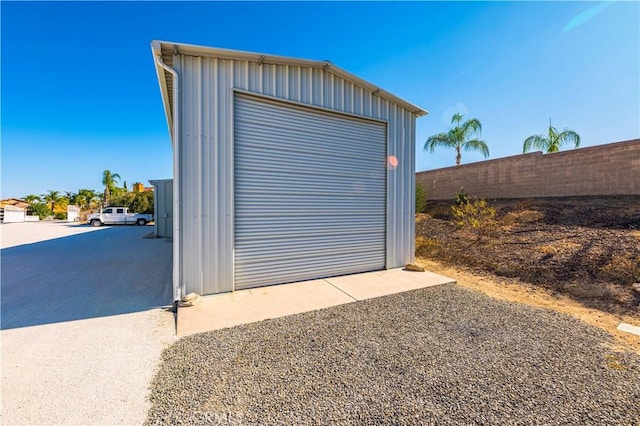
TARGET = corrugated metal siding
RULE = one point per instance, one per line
(310, 193)
(163, 207)
(206, 156)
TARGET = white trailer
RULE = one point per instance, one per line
(73, 213)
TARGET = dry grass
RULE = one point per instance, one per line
(522, 216)
(584, 248)
(624, 269)
(427, 246)
(546, 249)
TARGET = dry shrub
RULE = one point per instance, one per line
(622, 269)
(558, 247)
(567, 246)
(477, 216)
(427, 247)
(523, 216)
(420, 217)
(547, 250)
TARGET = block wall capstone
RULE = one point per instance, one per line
(611, 169)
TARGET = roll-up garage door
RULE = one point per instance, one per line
(310, 193)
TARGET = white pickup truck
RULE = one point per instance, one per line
(118, 216)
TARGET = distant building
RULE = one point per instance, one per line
(12, 214)
(139, 187)
(16, 202)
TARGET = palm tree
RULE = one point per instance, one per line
(52, 197)
(458, 138)
(32, 198)
(81, 201)
(109, 181)
(95, 198)
(86, 197)
(72, 197)
(553, 141)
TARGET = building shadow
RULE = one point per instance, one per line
(89, 275)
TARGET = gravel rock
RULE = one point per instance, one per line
(442, 355)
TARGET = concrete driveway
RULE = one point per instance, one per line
(258, 304)
(82, 321)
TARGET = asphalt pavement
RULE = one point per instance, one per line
(83, 321)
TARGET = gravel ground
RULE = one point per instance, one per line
(442, 355)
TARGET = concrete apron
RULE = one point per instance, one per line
(257, 304)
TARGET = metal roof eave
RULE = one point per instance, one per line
(194, 50)
(156, 50)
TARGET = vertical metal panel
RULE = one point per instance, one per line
(281, 81)
(268, 79)
(306, 86)
(241, 74)
(327, 90)
(317, 91)
(338, 94)
(294, 86)
(409, 189)
(310, 193)
(163, 207)
(358, 107)
(348, 97)
(206, 157)
(254, 77)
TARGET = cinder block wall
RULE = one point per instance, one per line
(611, 169)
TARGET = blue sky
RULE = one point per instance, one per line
(80, 95)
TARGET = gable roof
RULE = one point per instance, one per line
(166, 49)
(16, 202)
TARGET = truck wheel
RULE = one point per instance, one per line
(141, 222)
(95, 223)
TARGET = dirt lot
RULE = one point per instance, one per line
(585, 250)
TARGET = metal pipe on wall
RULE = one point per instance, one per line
(177, 293)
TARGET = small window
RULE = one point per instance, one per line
(107, 211)
(119, 211)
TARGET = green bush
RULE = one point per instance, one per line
(421, 198)
(461, 197)
(41, 210)
(136, 202)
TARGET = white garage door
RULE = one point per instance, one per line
(310, 193)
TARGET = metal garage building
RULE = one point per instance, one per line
(284, 169)
(162, 207)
